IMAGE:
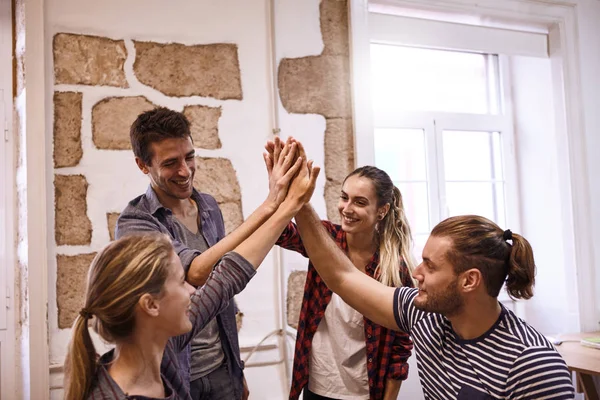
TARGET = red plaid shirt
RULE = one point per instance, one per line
(387, 351)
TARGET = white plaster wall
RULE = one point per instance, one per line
(588, 15)
(298, 34)
(243, 128)
(536, 152)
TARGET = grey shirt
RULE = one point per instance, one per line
(229, 277)
(207, 350)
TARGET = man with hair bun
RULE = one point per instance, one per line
(468, 345)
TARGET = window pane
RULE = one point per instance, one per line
(472, 156)
(485, 199)
(419, 243)
(406, 78)
(416, 205)
(401, 153)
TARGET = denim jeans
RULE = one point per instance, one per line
(217, 385)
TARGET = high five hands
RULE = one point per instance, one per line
(292, 177)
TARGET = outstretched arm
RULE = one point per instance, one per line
(281, 168)
(236, 268)
(366, 295)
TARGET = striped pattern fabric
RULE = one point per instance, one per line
(229, 278)
(510, 361)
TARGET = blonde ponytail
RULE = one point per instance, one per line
(120, 274)
(80, 365)
(395, 244)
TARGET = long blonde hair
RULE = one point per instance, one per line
(395, 238)
(119, 275)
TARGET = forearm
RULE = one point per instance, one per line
(392, 388)
(203, 264)
(256, 247)
(331, 263)
(366, 295)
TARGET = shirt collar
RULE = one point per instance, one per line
(155, 204)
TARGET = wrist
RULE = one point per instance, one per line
(290, 208)
(269, 207)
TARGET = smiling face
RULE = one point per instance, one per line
(174, 301)
(358, 206)
(438, 284)
(172, 168)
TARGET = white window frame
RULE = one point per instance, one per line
(7, 208)
(560, 19)
(434, 123)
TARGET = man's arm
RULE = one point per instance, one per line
(369, 297)
(540, 373)
(257, 246)
(202, 265)
(281, 168)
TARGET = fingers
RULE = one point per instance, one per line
(314, 174)
(268, 162)
(292, 171)
(270, 147)
(289, 157)
(284, 152)
(300, 149)
(276, 149)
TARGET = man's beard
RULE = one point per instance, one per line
(448, 303)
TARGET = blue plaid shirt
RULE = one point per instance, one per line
(146, 214)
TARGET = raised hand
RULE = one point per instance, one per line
(303, 184)
(282, 164)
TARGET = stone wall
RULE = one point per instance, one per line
(321, 85)
(101, 95)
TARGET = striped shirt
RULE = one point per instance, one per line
(510, 361)
(228, 278)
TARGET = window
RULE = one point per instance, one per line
(441, 132)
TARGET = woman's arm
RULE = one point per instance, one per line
(281, 170)
(392, 388)
(397, 370)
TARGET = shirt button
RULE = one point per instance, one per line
(369, 336)
(370, 360)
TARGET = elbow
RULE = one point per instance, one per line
(196, 279)
(334, 281)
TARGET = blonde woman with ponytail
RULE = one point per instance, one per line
(339, 353)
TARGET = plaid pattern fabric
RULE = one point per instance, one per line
(387, 351)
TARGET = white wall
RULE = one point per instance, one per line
(588, 15)
(536, 152)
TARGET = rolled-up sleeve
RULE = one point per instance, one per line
(401, 352)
